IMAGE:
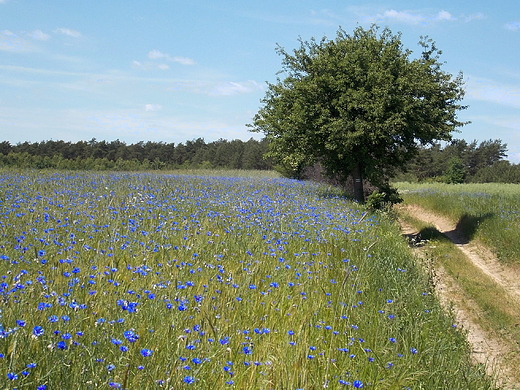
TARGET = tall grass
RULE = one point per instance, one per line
(143, 281)
(489, 212)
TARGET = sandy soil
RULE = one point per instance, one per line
(487, 348)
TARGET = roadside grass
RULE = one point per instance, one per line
(486, 212)
(148, 281)
(497, 313)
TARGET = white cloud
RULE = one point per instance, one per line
(10, 41)
(69, 32)
(475, 16)
(492, 91)
(183, 60)
(223, 88)
(152, 107)
(157, 54)
(513, 26)
(153, 54)
(232, 88)
(163, 66)
(409, 17)
(39, 35)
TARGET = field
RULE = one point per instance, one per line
(145, 281)
(487, 212)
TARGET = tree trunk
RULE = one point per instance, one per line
(357, 177)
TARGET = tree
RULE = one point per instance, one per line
(359, 105)
(455, 174)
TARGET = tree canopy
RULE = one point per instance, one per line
(359, 105)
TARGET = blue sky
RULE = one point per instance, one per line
(173, 71)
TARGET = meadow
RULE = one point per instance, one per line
(488, 212)
(148, 281)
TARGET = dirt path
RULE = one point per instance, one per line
(487, 348)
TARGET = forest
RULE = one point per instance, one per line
(456, 162)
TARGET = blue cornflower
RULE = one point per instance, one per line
(12, 376)
(131, 336)
(38, 331)
(189, 379)
(20, 323)
(146, 352)
(115, 385)
(61, 345)
(358, 384)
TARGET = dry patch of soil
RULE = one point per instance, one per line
(487, 347)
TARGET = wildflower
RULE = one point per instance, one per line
(189, 380)
(12, 376)
(61, 345)
(131, 336)
(146, 352)
(358, 384)
(38, 331)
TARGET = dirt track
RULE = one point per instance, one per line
(487, 347)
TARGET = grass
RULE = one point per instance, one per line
(487, 212)
(187, 281)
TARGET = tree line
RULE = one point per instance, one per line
(117, 155)
(456, 162)
(462, 162)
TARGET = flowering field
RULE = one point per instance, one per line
(142, 281)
